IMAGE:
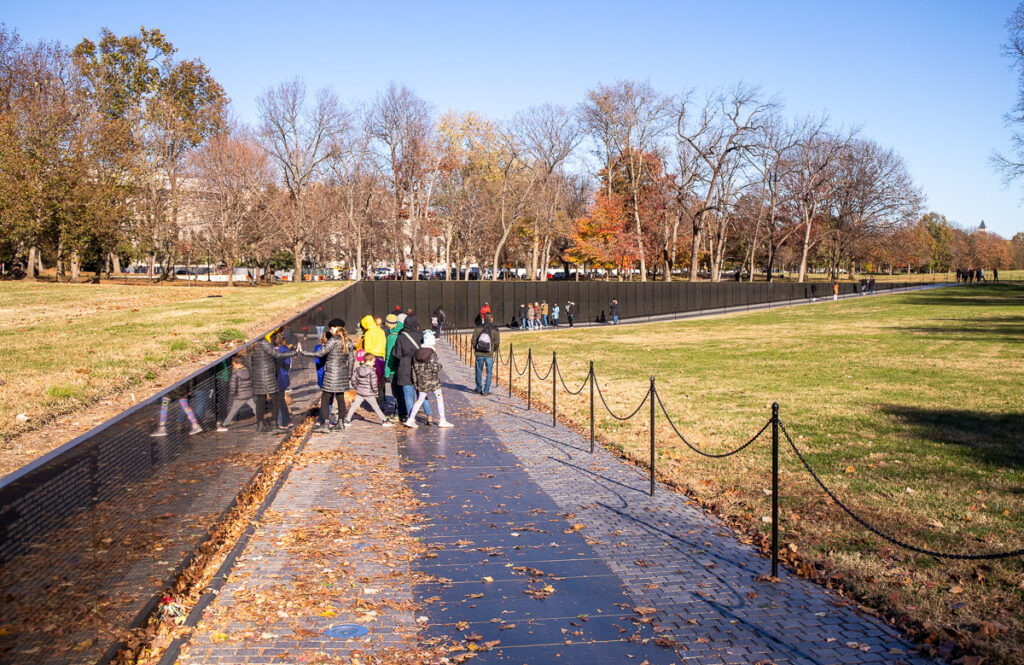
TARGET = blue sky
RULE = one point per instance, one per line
(926, 78)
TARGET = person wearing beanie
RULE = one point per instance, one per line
(364, 381)
(410, 340)
(394, 326)
(425, 371)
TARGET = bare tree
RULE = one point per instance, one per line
(234, 180)
(548, 134)
(299, 138)
(402, 124)
(727, 123)
(810, 182)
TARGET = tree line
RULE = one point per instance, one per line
(117, 150)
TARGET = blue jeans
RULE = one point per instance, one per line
(409, 395)
(615, 318)
(545, 318)
(481, 362)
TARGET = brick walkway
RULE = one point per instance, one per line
(538, 552)
(664, 553)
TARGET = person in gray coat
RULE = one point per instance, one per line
(337, 369)
(263, 370)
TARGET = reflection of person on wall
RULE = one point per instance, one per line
(239, 390)
(181, 395)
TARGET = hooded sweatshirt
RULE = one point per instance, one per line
(374, 340)
(392, 362)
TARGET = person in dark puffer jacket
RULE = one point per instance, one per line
(263, 369)
(425, 371)
(337, 353)
(408, 342)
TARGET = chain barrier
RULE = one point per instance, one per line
(546, 376)
(609, 409)
(515, 365)
(566, 388)
(883, 535)
(697, 450)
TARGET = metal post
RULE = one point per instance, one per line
(592, 406)
(775, 489)
(650, 396)
(511, 359)
(529, 379)
(554, 389)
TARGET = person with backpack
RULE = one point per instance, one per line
(425, 373)
(409, 341)
(337, 354)
(486, 339)
(570, 312)
(437, 320)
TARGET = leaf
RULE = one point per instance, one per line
(850, 469)
(644, 611)
(574, 528)
(488, 579)
(956, 589)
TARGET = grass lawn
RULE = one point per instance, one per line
(64, 347)
(909, 406)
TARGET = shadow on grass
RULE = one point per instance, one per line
(995, 438)
(987, 295)
(995, 328)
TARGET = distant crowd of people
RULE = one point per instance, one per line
(969, 275)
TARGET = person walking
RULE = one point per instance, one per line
(437, 320)
(555, 311)
(239, 390)
(522, 316)
(570, 311)
(337, 355)
(544, 311)
(529, 316)
(284, 381)
(613, 309)
(365, 381)
(263, 369)
(995, 274)
(425, 370)
(319, 321)
(536, 315)
(871, 285)
(410, 340)
(394, 327)
(486, 339)
(835, 290)
(181, 396)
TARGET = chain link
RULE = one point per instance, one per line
(565, 387)
(698, 450)
(609, 409)
(892, 539)
(546, 376)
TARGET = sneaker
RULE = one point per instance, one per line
(387, 423)
(428, 421)
(222, 429)
(323, 429)
(159, 432)
(411, 424)
(347, 422)
(196, 430)
(445, 423)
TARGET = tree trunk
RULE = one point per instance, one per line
(115, 263)
(32, 267)
(695, 251)
(297, 251)
(533, 256)
(806, 249)
(75, 263)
